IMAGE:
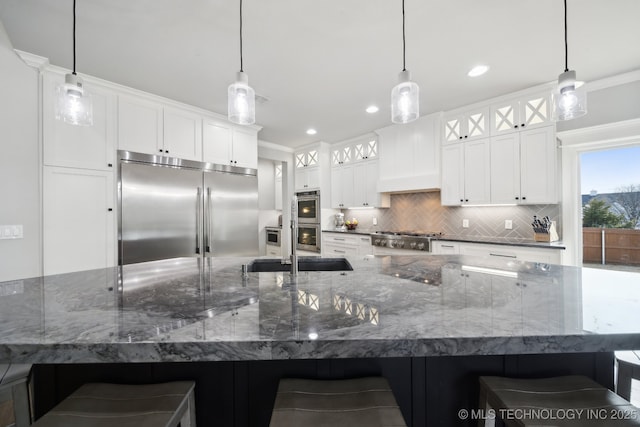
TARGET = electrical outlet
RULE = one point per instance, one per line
(508, 224)
(465, 223)
(11, 232)
(375, 221)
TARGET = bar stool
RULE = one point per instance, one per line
(121, 405)
(568, 401)
(14, 386)
(628, 368)
(351, 403)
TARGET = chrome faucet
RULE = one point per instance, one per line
(294, 235)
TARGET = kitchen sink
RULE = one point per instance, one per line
(304, 264)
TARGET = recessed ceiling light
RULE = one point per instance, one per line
(478, 70)
(372, 109)
(311, 131)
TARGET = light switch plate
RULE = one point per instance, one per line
(508, 224)
(465, 223)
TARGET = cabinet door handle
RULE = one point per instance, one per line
(524, 198)
(160, 150)
(502, 255)
(515, 126)
(522, 125)
(109, 165)
(517, 198)
(110, 210)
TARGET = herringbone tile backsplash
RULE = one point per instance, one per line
(423, 212)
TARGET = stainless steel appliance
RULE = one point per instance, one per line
(309, 237)
(308, 207)
(169, 208)
(338, 221)
(402, 242)
(273, 236)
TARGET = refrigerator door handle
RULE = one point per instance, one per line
(207, 222)
(198, 218)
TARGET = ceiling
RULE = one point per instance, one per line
(321, 63)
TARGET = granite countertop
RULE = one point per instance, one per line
(509, 241)
(190, 309)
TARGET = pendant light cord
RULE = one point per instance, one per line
(74, 37)
(566, 45)
(404, 48)
(241, 65)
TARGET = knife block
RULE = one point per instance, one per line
(551, 236)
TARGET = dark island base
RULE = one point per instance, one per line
(430, 390)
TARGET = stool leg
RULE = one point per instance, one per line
(484, 406)
(189, 417)
(623, 382)
(21, 404)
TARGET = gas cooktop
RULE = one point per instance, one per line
(413, 240)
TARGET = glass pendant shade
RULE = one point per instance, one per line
(570, 101)
(405, 99)
(73, 105)
(241, 101)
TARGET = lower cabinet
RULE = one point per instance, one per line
(79, 220)
(349, 245)
(521, 253)
(275, 251)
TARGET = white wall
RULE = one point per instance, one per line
(19, 164)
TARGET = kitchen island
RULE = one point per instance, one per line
(431, 324)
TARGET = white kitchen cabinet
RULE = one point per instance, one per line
(88, 147)
(275, 251)
(410, 155)
(468, 125)
(225, 144)
(465, 173)
(521, 113)
(182, 136)
(307, 179)
(524, 167)
(146, 126)
(339, 244)
(365, 193)
(444, 248)
(364, 245)
(307, 169)
(78, 219)
(520, 253)
(342, 187)
(140, 125)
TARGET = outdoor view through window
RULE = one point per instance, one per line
(610, 187)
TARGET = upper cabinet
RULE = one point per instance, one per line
(521, 113)
(354, 174)
(182, 133)
(146, 126)
(471, 124)
(86, 147)
(410, 155)
(465, 173)
(312, 170)
(226, 144)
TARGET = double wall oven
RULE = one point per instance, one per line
(309, 229)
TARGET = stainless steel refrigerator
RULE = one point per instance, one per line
(171, 208)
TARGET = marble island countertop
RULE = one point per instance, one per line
(404, 306)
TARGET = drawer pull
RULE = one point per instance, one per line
(338, 251)
(447, 246)
(503, 256)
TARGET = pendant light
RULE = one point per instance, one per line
(241, 103)
(73, 105)
(570, 99)
(405, 96)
